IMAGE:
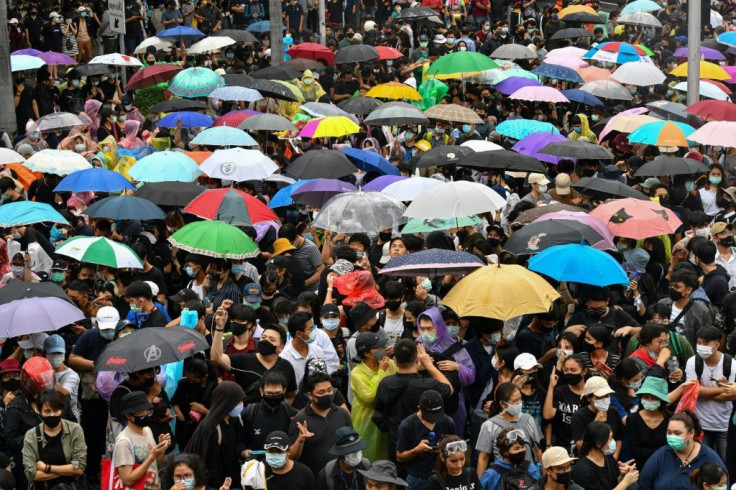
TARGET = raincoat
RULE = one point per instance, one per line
(364, 384)
(312, 92)
(584, 131)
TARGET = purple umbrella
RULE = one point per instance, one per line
(379, 183)
(512, 84)
(319, 191)
(54, 58)
(586, 219)
(28, 51)
(707, 53)
(531, 145)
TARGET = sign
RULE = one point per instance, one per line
(117, 15)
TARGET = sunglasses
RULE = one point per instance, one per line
(455, 446)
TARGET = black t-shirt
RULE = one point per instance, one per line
(187, 393)
(44, 98)
(344, 87)
(468, 480)
(247, 370)
(259, 421)
(411, 432)
(300, 477)
(590, 476)
(567, 403)
(584, 416)
(156, 318)
(155, 276)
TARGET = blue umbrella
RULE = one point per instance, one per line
(641, 6)
(579, 263)
(165, 166)
(432, 263)
(370, 161)
(182, 32)
(519, 128)
(283, 196)
(582, 97)
(379, 183)
(27, 213)
(188, 120)
(224, 136)
(261, 26)
(558, 71)
(124, 207)
(94, 179)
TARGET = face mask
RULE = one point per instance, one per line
(562, 478)
(312, 336)
(704, 351)
(594, 117)
(466, 128)
(542, 188)
(108, 333)
(51, 421)
(379, 355)
(494, 363)
(689, 186)
(429, 338)
(572, 379)
(58, 277)
(309, 81)
(323, 402)
(567, 352)
(389, 62)
(273, 400)
(495, 338)
(33, 135)
(602, 404)
(75, 83)
(143, 421)
(408, 136)
(80, 147)
(505, 30)
(487, 28)
(454, 331)
(675, 295)
(462, 48)
(676, 442)
(189, 483)
(597, 312)
(18, 270)
(122, 118)
(276, 460)
(439, 130)
(427, 284)
(331, 323)
(635, 386)
(650, 405)
(238, 329)
(283, 321)
(715, 180)
(517, 458)
(423, 44)
(354, 459)
(136, 309)
(611, 448)
(95, 83)
(266, 348)
(513, 410)
(113, 76)
(55, 359)
(704, 232)
(578, 129)
(190, 271)
(12, 384)
(235, 412)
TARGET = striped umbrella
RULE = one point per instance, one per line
(100, 250)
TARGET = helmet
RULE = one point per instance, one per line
(37, 375)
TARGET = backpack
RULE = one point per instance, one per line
(727, 362)
(517, 478)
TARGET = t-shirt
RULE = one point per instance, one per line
(714, 415)
(532, 404)
(590, 476)
(467, 480)
(298, 478)
(259, 420)
(248, 370)
(492, 427)
(69, 379)
(316, 450)
(132, 448)
(567, 403)
(155, 276)
(394, 327)
(411, 432)
(584, 416)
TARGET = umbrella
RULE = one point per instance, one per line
(230, 206)
(10, 156)
(705, 53)
(514, 73)
(482, 145)
(261, 26)
(415, 13)
(151, 75)
(453, 113)
(267, 122)
(666, 165)
(586, 219)
(23, 62)
(432, 263)
(234, 119)
(183, 33)
(572, 62)
(662, 133)
(559, 72)
(707, 70)
(531, 145)
(502, 292)
(165, 166)
(502, 160)
(329, 127)
(510, 85)
(672, 111)
(100, 250)
(705, 90)
(393, 91)
(453, 65)
(224, 136)
(455, 199)
(283, 196)
(267, 88)
(214, 239)
(359, 105)
(579, 263)
(571, 33)
(643, 19)
(57, 121)
(370, 161)
(57, 162)
(322, 109)
(301, 64)
(637, 219)
(116, 59)
(577, 149)
(356, 53)
(441, 155)
(92, 70)
(579, 13)
(395, 114)
(238, 165)
(360, 212)
(520, 128)
(540, 235)
(600, 187)
(95, 180)
(533, 214)
(407, 190)
(388, 53)
(236, 94)
(639, 73)
(188, 120)
(715, 133)
(276, 73)
(513, 52)
(124, 207)
(195, 82)
(416, 225)
(594, 74)
(54, 58)
(155, 41)
(239, 35)
(640, 6)
(209, 44)
(22, 213)
(728, 38)
(607, 89)
(317, 192)
(539, 94)
(178, 105)
(312, 51)
(321, 164)
(149, 348)
(626, 123)
(35, 307)
(171, 193)
(380, 183)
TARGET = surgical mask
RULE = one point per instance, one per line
(55, 359)
(354, 459)
(715, 180)
(235, 412)
(429, 338)
(505, 30)
(113, 76)
(84, 14)
(423, 44)
(18, 270)
(58, 277)
(427, 284)
(312, 336)
(229, 55)
(276, 460)
(635, 386)
(136, 309)
(578, 129)
(466, 128)
(704, 351)
(79, 147)
(75, 83)
(462, 48)
(122, 118)
(689, 186)
(486, 27)
(190, 271)
(650, 405)
(611, 448)
(389, 62)
(237, 269)
(331, 323)
(594, 117)
(189, 483)
(439, 130)
(542, 188)
(33, 135)
(676, 442)
(513, 410)
(454, 331)
(495, 338)
(309, 81)
(494, 363)
(408, 136)
(602, 404)
(702, 232)
(108, 333)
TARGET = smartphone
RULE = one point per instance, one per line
(600, 367)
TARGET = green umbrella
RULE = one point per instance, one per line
(215, 239)
(419, 225)
(100, 250)
(454, 65)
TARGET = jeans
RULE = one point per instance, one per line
(717, 441)
(416, 482)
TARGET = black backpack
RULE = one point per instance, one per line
(517, 478)
(700, 363)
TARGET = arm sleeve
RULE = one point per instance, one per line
(328, 351)
(467, 368)
(648, 474)
(14, 432)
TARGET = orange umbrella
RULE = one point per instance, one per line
(576, 9)
(25, 175)
(593, 73)
(198, 156)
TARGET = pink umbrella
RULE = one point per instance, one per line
(631, 112)
(54, 58)
(731, 70)
(716, 133)
(539, 94)
(592, 221)
(568, 61)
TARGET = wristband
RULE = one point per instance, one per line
(219, 330)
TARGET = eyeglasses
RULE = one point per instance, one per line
(455, 446)
(183, 478)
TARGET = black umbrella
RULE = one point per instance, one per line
(537, 236)
(664, 165)
(301, 64)
(16, 290)
(169, 193)
(124, 207)
(584, 17)
(175, 105)
(416, 13)
(267, 88)
(149, 348)
(321, 164)
(359, 105)
(441, 155)
(571, 33)
(598, 187)
(584, 150)
(240, 36)
(92, 70)
(356, 53)
(276, 73)
(502, 160)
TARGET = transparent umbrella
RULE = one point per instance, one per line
(58, 120)
(360, 212)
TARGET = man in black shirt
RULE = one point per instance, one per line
(42, 190)
(597, 310)
(43, 95)
(146, 314)
(281, 470)
(270, 414)
(346, 87)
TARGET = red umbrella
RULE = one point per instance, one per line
(234, 118)
(636, 218)
(151, 75)
(312, 51)
(231, 206)
(717, 110)
(388, 53)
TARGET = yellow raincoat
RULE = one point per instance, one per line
(311, 91)
(364, 384)
(584, 131)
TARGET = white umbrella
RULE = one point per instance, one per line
(280, 178)
(608, 89)
(10, 156)
(238, 164)
(115, 59)
(644, 19)
(539, 94)
(408, 189)
(210, 44)
(716, 19)
(513, 52)
(455, 200)
(716, 133)
(639, 73)
(567, 51)
(236, 93)
(707, 90)
(58, 120)
(156, 42)
(57, 162)
(482, 145)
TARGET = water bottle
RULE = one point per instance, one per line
(432, 439)
(672, 365)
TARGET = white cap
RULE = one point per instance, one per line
(439, 39)
(35, 341)
(412, 82)
(154, 288)
(526, 362)
(13, 21)
(369, 26)
(107, 318)
(81, 8)
(54, 15)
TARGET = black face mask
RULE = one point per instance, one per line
(266, 348)
(215, 276)
(722, 203)
(273, 401)
(323, 402)
(675, 295)
(664, 200)
(52, 421)
(572, 379)
(395, 305)
(12, 384)
(462, 234)
(384, 237)
(729, 241)
(517, 458)
(148, 382)
(562, 478)
(596, 312)
(238, 328)
(143, 421)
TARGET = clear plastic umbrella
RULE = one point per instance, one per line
(360, 212)
(58, 120)
(156, 42)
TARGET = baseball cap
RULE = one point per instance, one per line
(278, 261)
(718, 227)
(59, 265)
(432, 406)
(526, 361)
(107, 318)
(562, 184)
(361, 313)
(597, 386)
(9, 366)
(54, 344)
(535, 178)
(611, 172)
(81, 8)
(367, 341)
(329, 309)
(53, 15)
(252, 293)
(556, 456)
(277, 440)
(650, 182)
(423, 38)
(184, 295)
(13, 21)
(35, 341)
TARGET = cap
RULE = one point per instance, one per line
(650, 182)
(107, 318)
(13, 21)
(383, 471)
(432, 406)
(538, 179)
(81, 8)
(439, 39)
(611, 172)
(385, 256)
(277, 440)
(25, 149)
(282, 245)
(347, 441)
(367, 341)
(637, 256)
(695, 155)
(184, 295)
(9, 366)
(556, 456)
(369, 26)
(252, 293)
(562, 184)
(597, 386)
(423, 38)
(731, 191)
(667, 148)
(135, 401)
(654, 386)
(329, 309)
(35, 341)
(127, 100)
(53, 15)
(278, 261)
(342, 266)
(360, 314)
(154, 288)
(718, 227)
(526, 361)
(54, 344)
(682, 39)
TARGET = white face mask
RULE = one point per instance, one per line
(602, 404)
(542, 188)
(568, 352)
(55, 359)
(702, 232)
(704, 351)
(354, 459)
(513, 410)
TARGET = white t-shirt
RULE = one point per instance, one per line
(132, 448)
(708, 198)
(394, 327)
(714, 415)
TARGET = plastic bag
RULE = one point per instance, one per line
(689, 398)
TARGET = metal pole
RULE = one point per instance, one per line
(322, 22)
(693, 51)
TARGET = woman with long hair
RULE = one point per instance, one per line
(710, 476)
(597, 469)
(709, 193)
(451, 472)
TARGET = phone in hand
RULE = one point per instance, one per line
(601, 367)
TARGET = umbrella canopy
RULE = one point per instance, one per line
(453, 65)
(579, 263)
(323, 109)
(393, 91)
(359, 105)
(577, 149)
(261, 26)
(317, 192)
(370, 161)
(283, 196)
(626, 124)
(162, 346)
(214, 239)
(22, 213)
(35, 307)
(267, 122)
(715, 133)
(188, 120)
(238, 165)
(586, 219)
(539, 94)
(356, 53)
(705, 89)
(58, 121)
(640, 6)
(571, 33)
(155, 41)
(100, 250)
(312, 51)
(558, 71)
(388, 53)
(239, 35)
(531, 145)
(54, 58)
(510, 85)
(513, 52)
(360, 212)
(520, 128)
(276, 73)
(94, 179)
(164, 166)
(177, 105)
(57, 162)
(407, 190)
(236, 94)
(577, 95)
(441, 155)
(10, 156)
(502, 292)
(607, 89)
(572, 62)
(662, 133)
(324, 164)
(637, 219)
(665, 165)
(170, 193)
(455, 199)
(502, 160)
(181, 33)
(396, 113)
(23, 62)
(416, 225)
(594, 73)
(224, 136)
(234, 119)
(707, 70)
(615, 52)
(579, 13)
(705, 53)
(481, 145)
(606, 188)
(643, 19)
(504, 75)
(267, 88)
(540, 235)
(195, 82)
(151, 75)
(672, 111)
(416, 13)
(432, 263)
(209, 44)
(124, 207)
(116, 59)
(329, 127)
(639, 73)
(534, 214)
(380, 183)
(230, 206)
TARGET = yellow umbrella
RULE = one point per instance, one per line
(707, 70)
(329, 127)
(501, 292)
(576, 9)
(294, 89)
(393, 90)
